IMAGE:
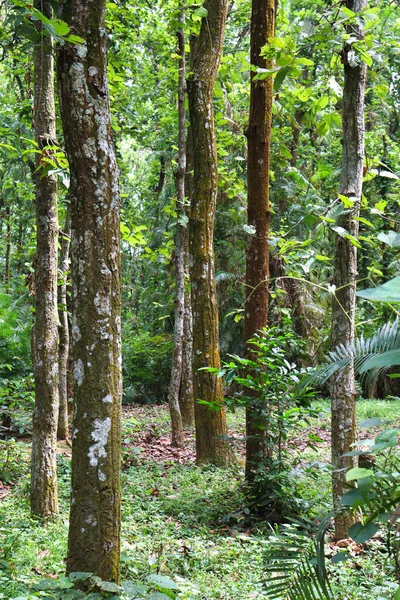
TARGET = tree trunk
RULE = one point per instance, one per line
(176, 371)
(186, 397)
(258, 213)
(8, 251)
(63, 351)
(343, 392)
(44, 502)
(211, 431)
(94, 532)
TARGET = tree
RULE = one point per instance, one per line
(63, 351)
(94, 533)
(44, 502)
(258, 213)
(342, 389)
(206, 50)
(180, 237)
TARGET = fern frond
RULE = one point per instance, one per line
(295, 567)
(370, 357)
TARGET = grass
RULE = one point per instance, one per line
(185, 522)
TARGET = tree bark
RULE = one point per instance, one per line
(8, 250)
(176, 371)
(211, 444)
(94, 532)
(258, 215)
(44, 502)
(342, 390)
(63, 350)
(186, 397)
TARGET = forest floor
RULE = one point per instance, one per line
(183, 521)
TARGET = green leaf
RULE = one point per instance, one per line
(280, 77)
(358, 473)
(163, 582)
(386, 359)
(387, 292)
(79, 576)
(397, 594)
(109, 586)
(361, 533)
(391, 238)
(60, 27)
(201, 12)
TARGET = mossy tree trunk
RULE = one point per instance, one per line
(63, 351)
(94, 532)
(211, 444)
(342, 391)
(44, 502)
(258, 213)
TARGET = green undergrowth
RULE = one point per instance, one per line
(184, 522)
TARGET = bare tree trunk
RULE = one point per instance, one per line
(63, 351)
(94, 532)
(186, 397)
(258, 214)
(343, 392)
(44, 502)
(211, 444)
(176, 371)
(8, 250)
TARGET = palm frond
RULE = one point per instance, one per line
(370, 357)
(295, 563)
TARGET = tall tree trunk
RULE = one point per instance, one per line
(343, 393)
(258, 213)
(211, 444)
(63, 351)
(44, 501)
(8, 250)
(176, 371)
(94, 532)
(186, 397)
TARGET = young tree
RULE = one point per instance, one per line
(63, 351)
(94, 533)
(342, 391)
(44, 501)
(206, 50)
(258, 214)
(180, 236)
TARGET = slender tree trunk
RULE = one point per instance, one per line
(258, 212)
(343, 392)
(211, 444)
(44, 501)
(94, 532)
(63, 351)
(8, 250)
(186, 397)
(176, 371)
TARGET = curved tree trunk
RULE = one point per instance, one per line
(343, 392)
(211, 444)
(94, 532)
(258, 212)
(44, 501)
(63, 351)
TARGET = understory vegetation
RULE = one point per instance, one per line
(190, 524)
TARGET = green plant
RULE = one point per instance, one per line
(146, 367)
(17, 400)
(268, 382)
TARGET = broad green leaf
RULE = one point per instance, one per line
(163, 582)
(201, 12)
(391, 238)
(109, 586)
(358, 473)
(386, 359)
(387, 292)
(361, 533)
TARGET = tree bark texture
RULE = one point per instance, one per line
(258, 215)
(186, 398)
(94, 533)
(342, 391)
(44, 502)
(211, 444)
(176, 371)
(7, 277)
(63, 329)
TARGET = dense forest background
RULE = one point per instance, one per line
(321, 83)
